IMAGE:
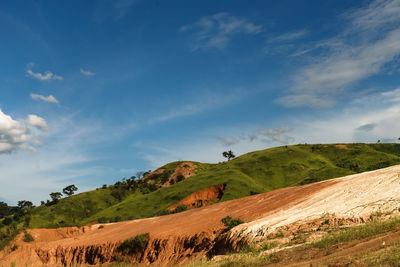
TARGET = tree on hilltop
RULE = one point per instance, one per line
(228, 154)
(55, 196)
(25, 204)
(70, 190)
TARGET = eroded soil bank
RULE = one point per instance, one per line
(199, 232)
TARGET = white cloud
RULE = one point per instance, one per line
(275, 135)
(50, 98)
(37, 122)
(216, 31)
(87, 73)
(18, 135)
(288, 37)
(353, 56)
(47, 76)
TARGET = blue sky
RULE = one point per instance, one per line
(94, 91)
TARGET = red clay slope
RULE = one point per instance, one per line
(173, 238)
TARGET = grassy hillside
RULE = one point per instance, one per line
(255, 172)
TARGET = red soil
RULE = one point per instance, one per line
(173, 238)
(202, 198)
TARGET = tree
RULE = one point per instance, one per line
(4, 209)
(25, 205)
(228, 154)
(55, 196)
(140, 174)
(69, 190)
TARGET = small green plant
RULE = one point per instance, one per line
(132, 246)
(28, 237)
(230, 222)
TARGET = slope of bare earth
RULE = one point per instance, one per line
(194, 233)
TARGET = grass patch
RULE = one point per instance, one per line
(230, 222)
(28, 237)
(356, 233)
(135, 245)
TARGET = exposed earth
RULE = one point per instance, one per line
(198, 232)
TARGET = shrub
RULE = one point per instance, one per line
(180, 177)
(180, 208)
(28, 237)
(230, 222)
(103, 220)
(132, 246)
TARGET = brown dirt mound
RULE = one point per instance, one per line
(202, 198)
(186, 169)
(342, 146)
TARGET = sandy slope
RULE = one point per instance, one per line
(177, 237)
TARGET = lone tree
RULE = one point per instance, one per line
(228, 154)
(70, 190)
(55, 196)
(25, 205)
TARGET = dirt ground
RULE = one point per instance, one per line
(190, 234)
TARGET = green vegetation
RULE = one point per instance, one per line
(135, 245)
(252, 173)
(28, 237)
(356, 233)
(230, 222)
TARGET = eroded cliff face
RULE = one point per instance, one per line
(202, 198)
(175, 249)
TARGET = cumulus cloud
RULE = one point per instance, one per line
(358, 52)
(86, 72)
(50, 98)
(216, 31)
(46, 76)
(20, 135)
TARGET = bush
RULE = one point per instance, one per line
(132, 246)
(28, 237)
(230, 222)
(7, 221)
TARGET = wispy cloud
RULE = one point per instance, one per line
(50, 98)
(87, 73)
(201, 104)
(46, 76)
(216, 31)
(371, 40)
(288, 37)
(275, 135)
(18, 134)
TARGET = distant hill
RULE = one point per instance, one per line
(252, 173)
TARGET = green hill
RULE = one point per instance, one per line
(252, 173)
